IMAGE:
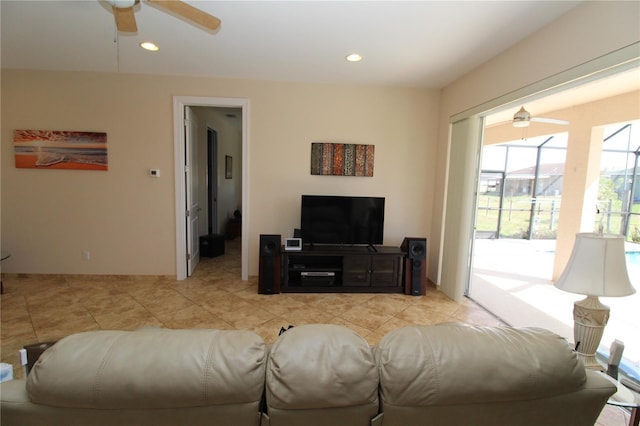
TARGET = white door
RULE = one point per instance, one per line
(191, 181)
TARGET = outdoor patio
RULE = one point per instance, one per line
(512, 279)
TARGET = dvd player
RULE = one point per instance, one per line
(317, 274)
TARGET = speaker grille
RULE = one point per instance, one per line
(417, 249)
(269, 245)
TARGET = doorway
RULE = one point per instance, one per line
(212, 181)
(513, 273)
(182, 166)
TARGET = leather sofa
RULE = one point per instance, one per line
(312, 375)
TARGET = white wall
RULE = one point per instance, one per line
(126, 218)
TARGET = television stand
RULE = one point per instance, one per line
(354, 269)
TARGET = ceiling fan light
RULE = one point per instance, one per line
(521, 118)
(122, 4)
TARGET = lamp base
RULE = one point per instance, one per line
(590, 317)
(590, 362)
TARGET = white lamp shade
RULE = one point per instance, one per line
(597, 267)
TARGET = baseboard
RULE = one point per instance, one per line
(87, 277)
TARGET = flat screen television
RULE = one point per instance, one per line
(342, 220)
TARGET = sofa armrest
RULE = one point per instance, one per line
(14, 392)
(600, 384)
(16, 405)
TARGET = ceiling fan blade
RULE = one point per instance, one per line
(189, 12)
(125, 19)
(549, 120)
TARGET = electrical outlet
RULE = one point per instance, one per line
(86, 255)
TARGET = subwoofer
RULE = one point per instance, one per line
(270, 264)
(415, 266)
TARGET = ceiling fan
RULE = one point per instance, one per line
(523, 118)
(126, 21)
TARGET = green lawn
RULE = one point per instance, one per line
(517, 211)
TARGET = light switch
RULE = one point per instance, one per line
(154, 172)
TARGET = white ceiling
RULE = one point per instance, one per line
(406, 44)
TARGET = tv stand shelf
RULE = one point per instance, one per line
(318, 269)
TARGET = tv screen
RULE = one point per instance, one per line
(329, 219)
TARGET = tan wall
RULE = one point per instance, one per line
(589, 31)
(126, 218)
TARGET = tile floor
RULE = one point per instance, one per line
(42, 308)
(39, 308)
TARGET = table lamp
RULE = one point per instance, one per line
(597, 267)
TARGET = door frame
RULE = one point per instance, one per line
(179, 102)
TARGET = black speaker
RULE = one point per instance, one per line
(269, 268)
(415, 262)
(211, 245)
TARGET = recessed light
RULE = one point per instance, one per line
(354, 57)
(147, 45)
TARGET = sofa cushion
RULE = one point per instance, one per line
(456, 363)
(321, 366)
(150, 368)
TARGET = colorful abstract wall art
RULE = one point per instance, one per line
(342, 159)
(52, 149)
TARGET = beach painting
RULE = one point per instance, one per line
(53, 149)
